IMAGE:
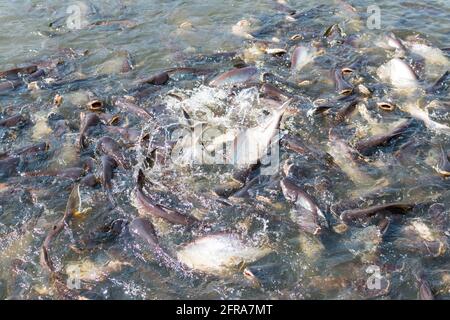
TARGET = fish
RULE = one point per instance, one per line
(365, 145)
(36, 75)
(69, 173)
(219, 253)
(27, 150)
(18, 71)
(417, 237)
(87, 121)
(266, 275)
(90, 271)
(298, 146)
(441, 85)
(235, 77)
(443, 166)
(108, 146)
(142, 228)
(399, 74)
(343, 87)
(13, 121)
(439, 217)
(301, 56)
(415, 111)
(7, 86)
(157, 79)
(273, 92)
(108, 166)
(345, 157)
(425, 292)
(73, 206)
(345, 112)
(89, 180)
(390, 41)
(306, 214)
(348, 216)
(249, 146)
(8, 166)
(128, 105)
(102, 235)
(148, 206)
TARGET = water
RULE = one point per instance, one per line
(156, 36)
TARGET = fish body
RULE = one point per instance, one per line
(235, 77)
(301, 56)
(399, 74)
(306, 213)
(218, 253)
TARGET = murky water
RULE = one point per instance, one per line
(104, 50)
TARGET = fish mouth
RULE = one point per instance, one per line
(346, 71)
(95, 105)
(386, 106)
(114, 120)
(443, 170)
(346, 91)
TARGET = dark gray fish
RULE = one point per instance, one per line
(301, 56)
(189, 70)
(443, 166)
(235, 77)
(87, 121)
(147, 204)
(108, 166)
(306, 213)
(365, 145)
(344, 112)
(267, 275)
(90, 180)
(126, 105)
(273, 92)
(424, 287)
(441, 84)
(117, 23)
(72, 207)
(342, 86)
(296, 145)
(13, 121)
(27, 150)
(36, 75)
(102, 235)
(348, 216)
(227, 189)
(69, 173)
(334, 29)
(18, 71)
(10, 85)
(157, 79)
(143, 228)
(108, 119)
(407, 151)
(108, 146)
(8, 167)
(439, 217)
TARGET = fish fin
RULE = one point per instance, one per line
(74, 202)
